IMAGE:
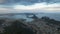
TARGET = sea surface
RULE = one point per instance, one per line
(55, 16)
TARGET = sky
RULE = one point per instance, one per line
(18, 6)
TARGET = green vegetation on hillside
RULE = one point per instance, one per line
(43, 25)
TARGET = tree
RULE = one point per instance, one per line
(45, 18)
(18, 28)
(1, 21)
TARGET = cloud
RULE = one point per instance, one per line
(29, 6)
(38, 6)
(53, 7)
(44, 9)
(6, 10)
(26, 2)
(2, 1)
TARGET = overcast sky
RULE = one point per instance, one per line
(15, 6)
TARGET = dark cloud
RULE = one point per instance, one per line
(26, 2)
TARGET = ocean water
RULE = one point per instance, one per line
(55, 16)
